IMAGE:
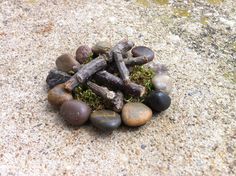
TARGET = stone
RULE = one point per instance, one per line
(66, 63)
(142, 51)
(58, 95)
(136, 114)
(158, 101)
(162, 83)
(105, 119)
(101, 47)
(56, 77)
(83, 53)
(75, 112)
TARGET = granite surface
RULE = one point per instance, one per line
(195, 39)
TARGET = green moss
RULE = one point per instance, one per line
(86, 95)
(143, 76)
(89, 59)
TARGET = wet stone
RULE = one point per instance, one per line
(158, 101)
(75, 112)
(142, 51)
(66, 63)
(58, 95)
(56, 77)
(162, 83)
(105, 119)
(136, 114)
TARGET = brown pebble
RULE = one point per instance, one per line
(75, 112)
(58, 95)
(66, 63)
(136, 114)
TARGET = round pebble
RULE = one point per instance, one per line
(83, 53)
(136, 114)
(66, 63)
(142, 51)
(101, 47)
(75, 112)
(105, 119)
(158, 101)
(162, 83)
(58, 95)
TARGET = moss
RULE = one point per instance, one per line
(143, 76)
(89, 59)
(86, 95)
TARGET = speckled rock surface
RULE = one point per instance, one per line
(195, 39)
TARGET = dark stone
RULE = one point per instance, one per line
(105, 119)
(56, 77)
(75, 112)
(83, 53)
(158, 101)
(136, 114)
(142, 51)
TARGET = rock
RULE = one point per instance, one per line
(58, 95)
(142, 51)
(105, 119)
(162, 83)
(158, 101)
(136, 114)
(66, 63)
(56, 77)
(75, 112)
(101, 47)
(83, 53)
(159, 68)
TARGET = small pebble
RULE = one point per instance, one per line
(142, 51)
(83, 53)
(162, 83)
(158, 101)
(75, 112)
(56, 77)
(136, 114)
(105, 119)
(58, 95)
(101, 47)
(66, 63)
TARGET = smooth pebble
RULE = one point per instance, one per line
(142, 51)
(136, 114)
(105, 119)
(66, 63)
(162, 83)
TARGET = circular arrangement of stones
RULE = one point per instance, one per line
(105, 70)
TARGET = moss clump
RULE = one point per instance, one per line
(143, 76)
(86, 95)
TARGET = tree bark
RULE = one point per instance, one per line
(101, 91)
(115, 83)
(90, 68)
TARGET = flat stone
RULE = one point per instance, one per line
(105, 119)
(136, 114)
(75, 112)
(66, 63)
(162, 83)
(56, 77)
(158, 101)
(142, 51)
(58, 95)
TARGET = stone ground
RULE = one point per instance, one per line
(196, 40)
